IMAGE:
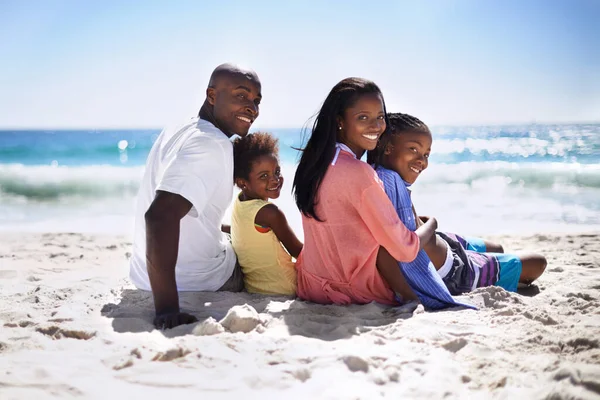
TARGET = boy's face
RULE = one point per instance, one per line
(408, 154)
(264, 181)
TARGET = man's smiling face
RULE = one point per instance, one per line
(236, 99)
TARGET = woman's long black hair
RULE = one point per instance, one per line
(320, 148)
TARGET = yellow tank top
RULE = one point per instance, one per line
(268, 268)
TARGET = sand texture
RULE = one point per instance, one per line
(72, 326)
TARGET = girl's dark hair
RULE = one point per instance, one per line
(320, 148)
(397, 123)
(250, 147)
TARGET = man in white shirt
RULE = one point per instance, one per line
(187, 186)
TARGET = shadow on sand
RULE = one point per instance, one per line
(135, 312)
(529, 291)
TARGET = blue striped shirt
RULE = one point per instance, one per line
(420, 273)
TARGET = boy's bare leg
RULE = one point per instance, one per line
(491, 247)
(390, 272)
(437, 251)
(533, 267)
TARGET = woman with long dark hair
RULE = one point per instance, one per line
(352, 233)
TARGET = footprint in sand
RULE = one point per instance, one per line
(496, 298)
(356, 364)
(56, 332)
(122, 365)
(54, 255)
(542, 317)
(302, 374)
(587, 264)
(583, 296)
(580, 344)
(171, 354)
(455, 345)
(580, 375)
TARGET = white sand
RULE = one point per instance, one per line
(71, 325)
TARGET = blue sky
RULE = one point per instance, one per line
(68, 64)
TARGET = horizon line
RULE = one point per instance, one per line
(110, 128)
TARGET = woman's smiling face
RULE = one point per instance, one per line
(362, 124)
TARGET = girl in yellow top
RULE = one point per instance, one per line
(260, 234)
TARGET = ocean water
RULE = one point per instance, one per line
(480, 180)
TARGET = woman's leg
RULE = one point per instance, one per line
(390, 272)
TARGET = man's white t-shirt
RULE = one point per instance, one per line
(196, 162)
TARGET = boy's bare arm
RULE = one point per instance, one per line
(426, 232)
(272, 217)
(427, 246)
(435, 248)
(417, 219)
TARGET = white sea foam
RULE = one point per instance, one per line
(473, 197)
(48, 183)
(529, 175)
(482, 198)
(55, 183)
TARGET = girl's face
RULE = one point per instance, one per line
(362, 124)
(264, 181)
(408, 154)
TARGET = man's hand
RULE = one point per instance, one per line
(171, 320)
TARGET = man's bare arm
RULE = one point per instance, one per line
(162, 244)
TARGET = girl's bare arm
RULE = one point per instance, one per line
(272, 217)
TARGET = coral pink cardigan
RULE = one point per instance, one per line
(338, 261)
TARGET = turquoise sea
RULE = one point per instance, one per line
(481, 179)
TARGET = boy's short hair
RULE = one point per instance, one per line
(250, 147)
(397, 123)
